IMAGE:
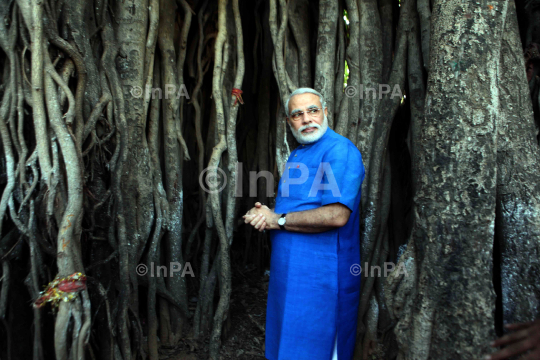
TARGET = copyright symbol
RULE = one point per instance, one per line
(210, 180)
(136, 91)
(350, 91)
(356, 269)
(141, 269)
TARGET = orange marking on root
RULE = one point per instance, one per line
(65, 244)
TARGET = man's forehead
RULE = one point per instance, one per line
(311, 99)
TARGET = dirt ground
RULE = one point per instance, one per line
(244, 338)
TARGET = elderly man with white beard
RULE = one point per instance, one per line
(315, 236)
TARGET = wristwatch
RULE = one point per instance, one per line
(281, 221)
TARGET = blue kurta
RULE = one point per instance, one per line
(312, 292)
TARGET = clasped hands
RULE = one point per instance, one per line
(261, 217)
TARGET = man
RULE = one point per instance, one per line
(313, 294)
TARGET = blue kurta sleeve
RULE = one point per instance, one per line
(345, 171)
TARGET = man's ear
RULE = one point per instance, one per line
(325, 111)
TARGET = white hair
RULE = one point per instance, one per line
(301, 91)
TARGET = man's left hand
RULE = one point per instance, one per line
(261, 217)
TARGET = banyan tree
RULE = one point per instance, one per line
(133, 131)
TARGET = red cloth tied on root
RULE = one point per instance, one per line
(238, 94)
(62, 289)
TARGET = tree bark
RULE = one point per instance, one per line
(518, 196)
(300, 30)
(282, 148)
(173, 162)
(371, 75)
(93, 177)
(425, 22)
(223, 258)
(326, 54)
(350, 116)
(455, 199)
(131, 25)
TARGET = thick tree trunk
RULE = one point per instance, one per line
(326, 54)
(92, 173)
(518, 191)
(347, 124)
(374, 195)
(425, 22)
(137, 190)
(455, 199)
(417, 92)
(173, 163)
(282, 147)
(371, 66)
(299, 25)
(291, 58)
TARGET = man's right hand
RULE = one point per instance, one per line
(526, 336)
(256, 216)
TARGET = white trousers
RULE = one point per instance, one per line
(334, 355)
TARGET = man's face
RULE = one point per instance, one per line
(308, 128)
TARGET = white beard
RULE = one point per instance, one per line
(311, 137)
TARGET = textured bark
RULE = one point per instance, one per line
(77, 12)
(349, 119)
(278, 36)
(291, 58)
(223, 258)
(173, 163)
(10, 158)
(75, 141)
(69, 259)
(417, 91)
(197, 106)
(300, 29)
(340, 65)
(161, 208)
(369, 305)
(263, 113)
(326, 54)
(117, 168)
(131, 19)
(373, 221)
(371, 75)
(203, 294)
(518, 185)
(455, 201)
(282, 147)
(387, 31)
(425, 22)
(231, 125)
(36, 22)
(150, 51)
